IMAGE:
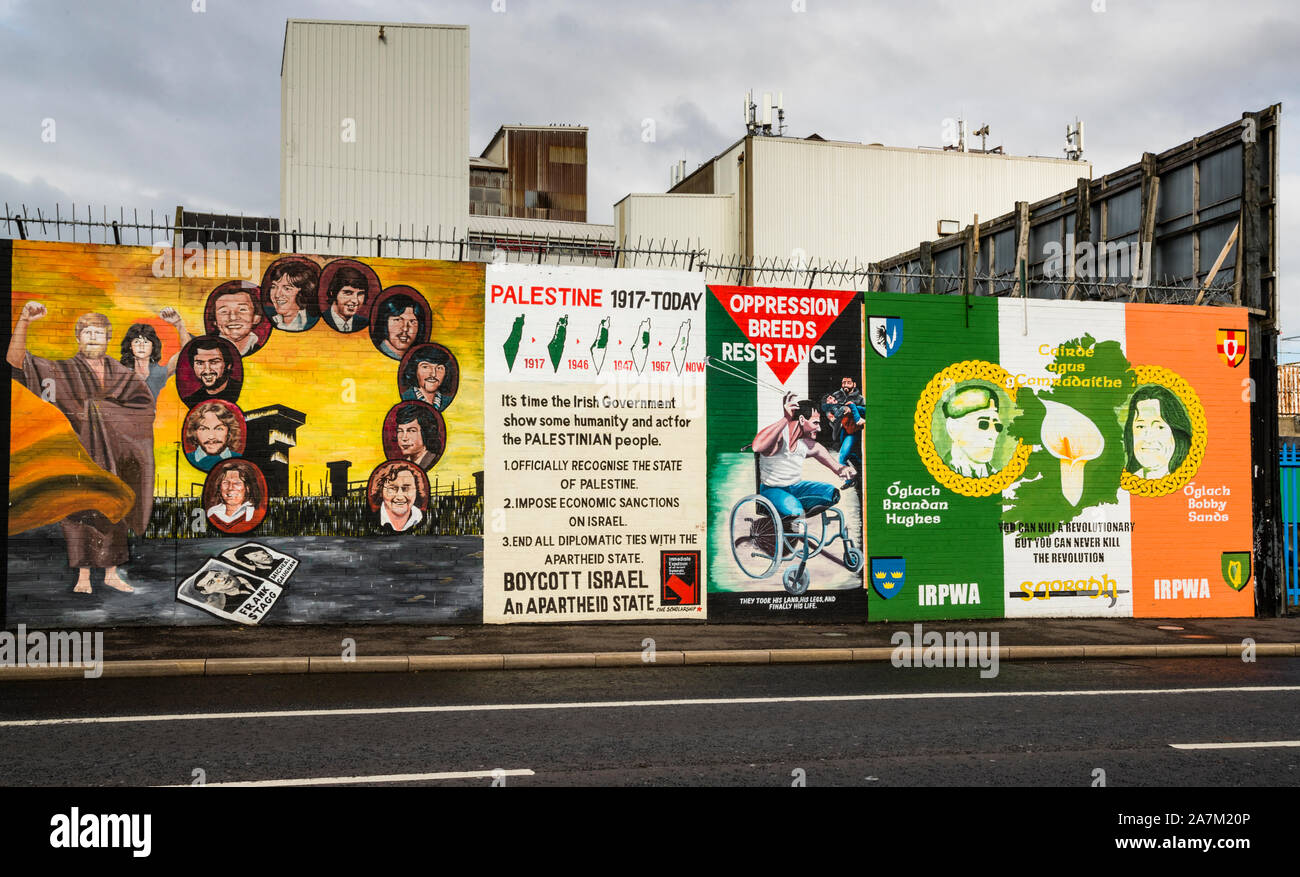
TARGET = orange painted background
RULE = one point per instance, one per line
(1166, 544)
(304, 370)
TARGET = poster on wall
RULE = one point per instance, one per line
(1050, 458)
(785, 454)
(594, 426)
(328, 408)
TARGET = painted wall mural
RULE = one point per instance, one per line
(316, 404)
(1048, 458)
(219, 437)
(595, 412)
(785, 457)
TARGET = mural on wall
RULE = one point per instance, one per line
(154, 449)
(190, 428)
(1049, 458)
(241, 585)
(595, 427)
(785, 454)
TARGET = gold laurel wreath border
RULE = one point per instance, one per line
(1174, 481)
(967, 370)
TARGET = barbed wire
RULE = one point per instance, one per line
(484, 245)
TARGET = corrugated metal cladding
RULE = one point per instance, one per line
(548, 173)
(1288, 389)
(374, 129)
(662, 221)
(838, 201)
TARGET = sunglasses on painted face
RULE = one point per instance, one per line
(984, 423)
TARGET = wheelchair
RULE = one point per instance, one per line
(761, 540)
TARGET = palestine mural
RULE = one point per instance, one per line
(595, 414)
(166, 405)
(785, 454)
(1048, 458)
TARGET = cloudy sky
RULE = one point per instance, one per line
(157, 105)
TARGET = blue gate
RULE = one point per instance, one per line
(1290, 478)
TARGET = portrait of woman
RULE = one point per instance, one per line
(142, 351)
(429, 373)
(234, 496)
(214, 431)
(289, 291)
(398, 492)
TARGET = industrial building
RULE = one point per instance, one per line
(816, 201)
(374, 127)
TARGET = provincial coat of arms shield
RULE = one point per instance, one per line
(885, 334)
(1235, 566)
(1232, 346)
(888, 575)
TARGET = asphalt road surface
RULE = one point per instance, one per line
(865, 724)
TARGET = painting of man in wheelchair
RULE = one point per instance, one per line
(782, 447)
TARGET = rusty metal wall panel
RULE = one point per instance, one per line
(1288, 388)
(558, 187)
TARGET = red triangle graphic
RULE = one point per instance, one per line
(784, 324)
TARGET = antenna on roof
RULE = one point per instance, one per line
(761, 124)
(1074, 141)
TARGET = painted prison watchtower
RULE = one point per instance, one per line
(272, 431)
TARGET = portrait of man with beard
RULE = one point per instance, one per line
(210, 368)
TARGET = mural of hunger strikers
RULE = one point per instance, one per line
(844, 410)
(111, 410)
(233, 313)
(401, 321)
(209, 368)
(234, 496)
(1157, 432)
(348, 290)
(214, 431)
(415, 432)
(142, 350)
(289, 292)
(429, 373)
(398, 492)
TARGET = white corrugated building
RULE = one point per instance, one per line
(374, 130)
(827, 201)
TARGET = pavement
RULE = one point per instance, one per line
(172, 651)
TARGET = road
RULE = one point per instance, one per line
(862, 724)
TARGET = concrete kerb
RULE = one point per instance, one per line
(589, 660)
